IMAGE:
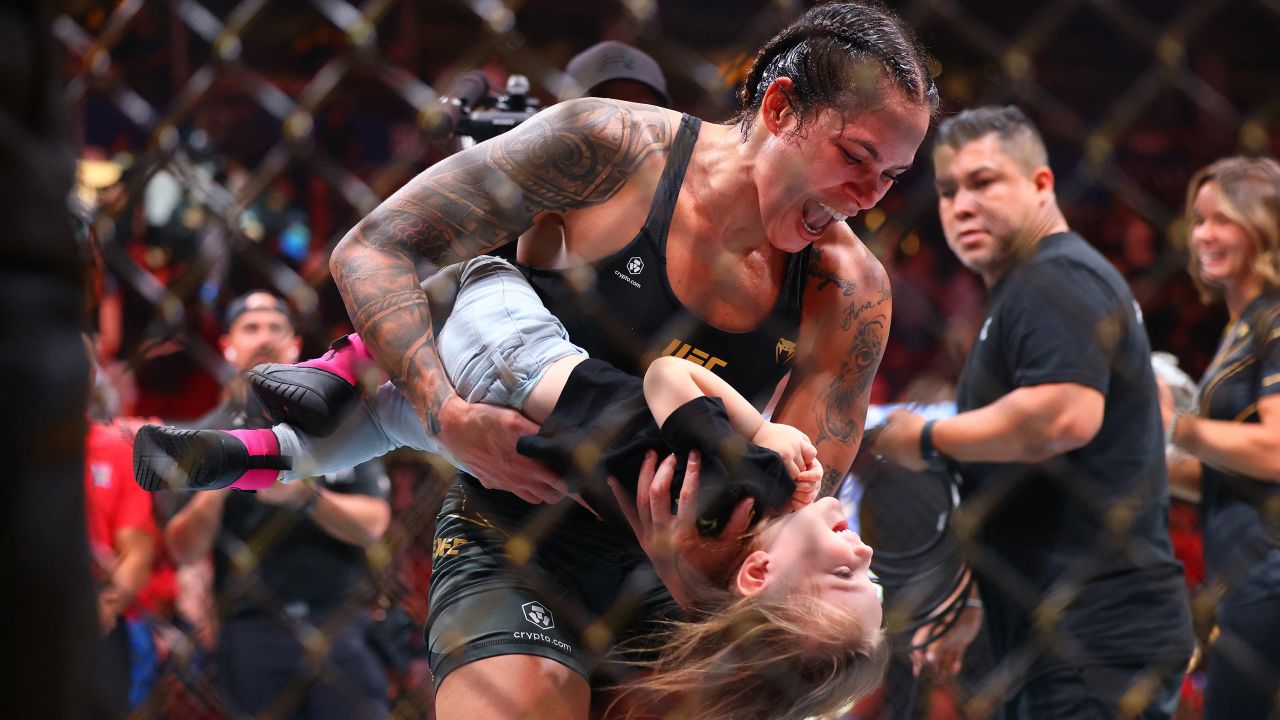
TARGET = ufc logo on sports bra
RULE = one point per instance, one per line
(447, 546)
(679, 348)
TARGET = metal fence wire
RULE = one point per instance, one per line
(245, 138)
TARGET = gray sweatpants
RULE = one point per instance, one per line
(496, 344)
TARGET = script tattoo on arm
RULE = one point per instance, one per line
(843, 329)
(573, 155)
(827, 278)
(854, 310)
(850, 390)
(843, 409)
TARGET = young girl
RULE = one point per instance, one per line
(500, 345)
(799, 573)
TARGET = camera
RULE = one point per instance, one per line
(468, 110)
(501, 112)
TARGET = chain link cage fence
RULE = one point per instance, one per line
(229, 145)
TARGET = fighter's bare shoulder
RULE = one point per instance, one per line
(590, 168)
(846, 280)
(576, 154)
(580, 152)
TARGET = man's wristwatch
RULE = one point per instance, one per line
(934, 460)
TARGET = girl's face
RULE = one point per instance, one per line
(839, 164)
(813, 551)
(1223, 248)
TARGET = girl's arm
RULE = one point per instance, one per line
(671, 382)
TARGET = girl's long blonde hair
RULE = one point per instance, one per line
(752, 657)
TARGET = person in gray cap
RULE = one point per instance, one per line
(614, 70)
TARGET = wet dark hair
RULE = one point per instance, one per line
(836, 52)
(1018, 135)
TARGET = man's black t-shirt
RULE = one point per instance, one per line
(272, 559)
(1241, 548)
(1084, 534)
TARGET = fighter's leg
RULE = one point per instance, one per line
(513, 686)
(501, 638)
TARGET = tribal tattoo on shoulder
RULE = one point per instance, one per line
(570, 156)
(573, 155)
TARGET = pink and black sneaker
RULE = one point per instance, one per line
(170, 458)
(314, 395)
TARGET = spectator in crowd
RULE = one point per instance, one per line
(614, 70)
(122, 539)
(1233, 212)
(1059, 444)
(289, 562)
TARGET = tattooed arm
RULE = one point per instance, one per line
(847, 308)
(572, 155)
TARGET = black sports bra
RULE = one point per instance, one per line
(627, 314)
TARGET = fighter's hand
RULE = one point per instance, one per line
(483, 438)
(899, 439)
(943, 658)
(808, 485)
(683, 559)
(793, 446)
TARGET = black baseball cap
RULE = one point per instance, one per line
(256, 300)
(612, 60)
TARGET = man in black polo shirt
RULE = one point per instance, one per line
(1059, 444)
(288, 560)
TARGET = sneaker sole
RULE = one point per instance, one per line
(173, 459)
(313, 412)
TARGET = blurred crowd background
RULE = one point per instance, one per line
(227, 146)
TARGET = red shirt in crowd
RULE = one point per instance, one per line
(113, 501)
